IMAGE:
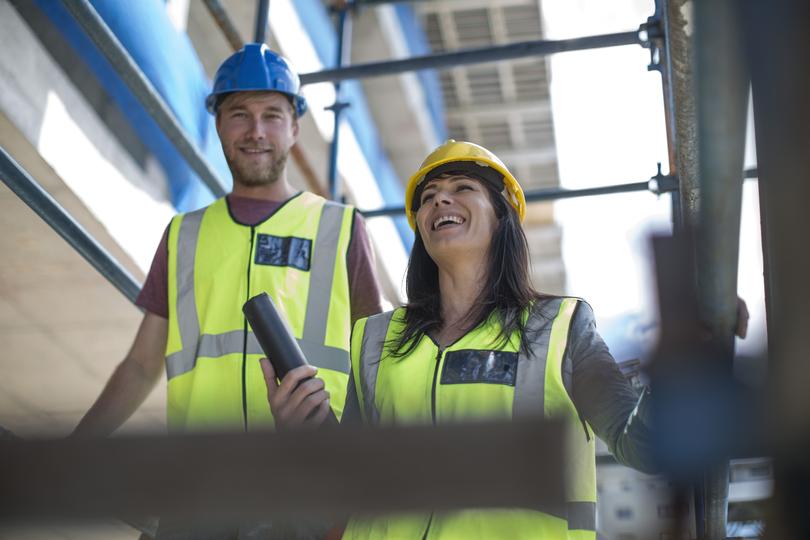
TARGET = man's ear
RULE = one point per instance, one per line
(295, 129)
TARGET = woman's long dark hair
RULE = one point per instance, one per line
(507, 291)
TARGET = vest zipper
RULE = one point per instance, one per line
(245, 333)
(433, 389)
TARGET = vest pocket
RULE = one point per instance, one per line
(480, 366)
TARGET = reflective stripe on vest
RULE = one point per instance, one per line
(371, 355)
(216, 345)
(537, 391)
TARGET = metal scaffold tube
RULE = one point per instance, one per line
(142, 89)
(225, 24)
(32, 194)
(260, 32)
(680, 101)
(721, 128)
(658, 184)
(778, 51)
(344, 45)
(472, 56)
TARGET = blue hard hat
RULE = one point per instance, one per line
(256, 67)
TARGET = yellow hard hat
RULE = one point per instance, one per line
(465, 157)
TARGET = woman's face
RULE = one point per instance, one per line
(455, 217)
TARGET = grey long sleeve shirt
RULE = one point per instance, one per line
(603, 396)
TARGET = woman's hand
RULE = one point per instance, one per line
(300, 400)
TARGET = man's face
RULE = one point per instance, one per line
(257, 130)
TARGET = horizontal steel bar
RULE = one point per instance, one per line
(209, 479)
(32, 194)
(142, 89)
(472, 56)
(539, 195)
(657, 185)
(382, 2)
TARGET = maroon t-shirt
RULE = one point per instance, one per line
(363, 287)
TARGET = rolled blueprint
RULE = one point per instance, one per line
(275, 338)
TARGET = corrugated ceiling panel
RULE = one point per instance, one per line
(522, 22)
(473, 27)
(485, 84)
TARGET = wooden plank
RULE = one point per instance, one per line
(220, 478)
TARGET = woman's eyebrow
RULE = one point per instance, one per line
(454, 178)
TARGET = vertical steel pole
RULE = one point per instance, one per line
(680, 104)
(675, 66)
(31, 193)
(722, 82)
(344, 35)
(722, 90)
(778, 49)
(663, 65)
(262, 10)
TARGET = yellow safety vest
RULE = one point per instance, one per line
(298, 256)
(478, 377)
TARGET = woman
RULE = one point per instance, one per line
(477, 341)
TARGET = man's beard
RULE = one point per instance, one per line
(257, 176)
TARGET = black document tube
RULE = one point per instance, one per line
(275, 338)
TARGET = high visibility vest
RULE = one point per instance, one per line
(297, 256)
(478, 377)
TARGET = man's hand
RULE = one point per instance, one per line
(300, 400)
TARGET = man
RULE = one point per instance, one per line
(311, 255)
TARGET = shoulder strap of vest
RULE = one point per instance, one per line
(547, 334)
(371, 352)
(187, 321)
(322, 271)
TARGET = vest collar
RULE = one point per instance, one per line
(265, 218)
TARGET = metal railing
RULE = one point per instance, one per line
(52, 213)
(473, 56)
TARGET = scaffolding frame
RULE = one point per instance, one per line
(659, 33)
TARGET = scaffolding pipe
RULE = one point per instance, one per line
(383, 2)
(32, 194)
(262, 11)
(660, 61)
(344, 45)
(680, 99)
(657, 185)
(98, 31)
(721, 126)
(225, 24)
(778, 49)
(679, 102)
(721, 123)
(473, 56)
